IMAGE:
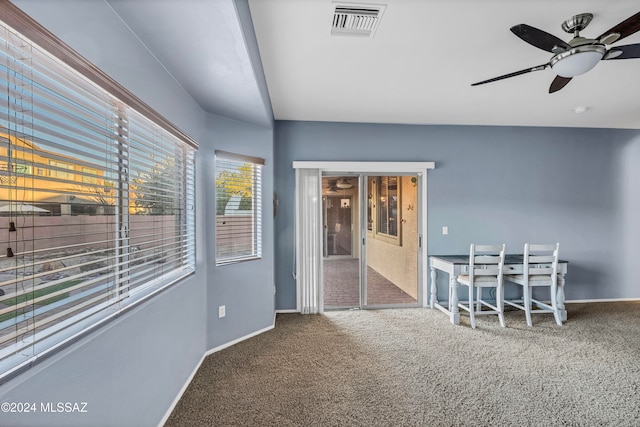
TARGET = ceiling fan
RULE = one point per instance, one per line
(578, 55)
(335, 185)
(332, 187)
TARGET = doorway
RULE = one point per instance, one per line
(370, 241)
(341, 257)
(338, 225)
(309, 227)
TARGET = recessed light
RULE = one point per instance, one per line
(580, 109)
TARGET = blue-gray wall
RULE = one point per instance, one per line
(493, 184)
(247, 288)
(575, 186)
(130, 371)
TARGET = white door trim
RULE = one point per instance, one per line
(420, 168)
(382, 167)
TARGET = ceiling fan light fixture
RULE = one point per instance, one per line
(577, 60)
(344, 184)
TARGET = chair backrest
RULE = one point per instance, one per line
(541, 260)
(486, 261)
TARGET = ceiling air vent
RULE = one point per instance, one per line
(356, 20)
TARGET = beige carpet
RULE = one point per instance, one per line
(411, 367)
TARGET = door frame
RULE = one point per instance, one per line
(373, 168)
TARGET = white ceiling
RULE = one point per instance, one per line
(417, 69)
(201, 43)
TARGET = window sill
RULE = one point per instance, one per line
(236, 261)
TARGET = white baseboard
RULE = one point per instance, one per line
(236, 341)
(579, 301)
(181, 392)
(214, 350)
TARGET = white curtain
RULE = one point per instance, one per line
(309, 240)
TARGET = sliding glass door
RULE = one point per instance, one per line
(360, 235)
(391, 241)
(341, 261)
(370, 240)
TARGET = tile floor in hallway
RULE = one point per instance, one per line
(341, 287)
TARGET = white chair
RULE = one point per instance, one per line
(486, 263)
(539, 268)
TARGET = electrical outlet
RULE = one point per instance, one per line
(222, 311)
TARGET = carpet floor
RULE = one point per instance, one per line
(411, 367)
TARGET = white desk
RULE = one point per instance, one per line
(454, 265)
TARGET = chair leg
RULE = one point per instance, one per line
(554, 304)
(527, 292)
(472, 316)
(500, 304)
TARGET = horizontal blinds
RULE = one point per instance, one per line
(238, 208)
(239, 157)
(58, 172)
(161, 174)
(96, 202)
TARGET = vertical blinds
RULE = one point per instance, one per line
(96, 203)
(238, 207)
(309, 241)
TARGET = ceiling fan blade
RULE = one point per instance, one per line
(558, 83)
(625, 28)
(628, 51)
(516, 73)
(539, 38)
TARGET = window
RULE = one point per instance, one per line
(59, 170)
(81, 247)
(383, 210)
(238, 207)
(388, 205)
(89, 175)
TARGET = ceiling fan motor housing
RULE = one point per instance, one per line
(577, 23)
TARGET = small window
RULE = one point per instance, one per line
(59, 170)
(388, 206)
(89, 176)
(238, 207)
(384, 215)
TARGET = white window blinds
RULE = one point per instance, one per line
(96, 203)
(238, 207)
